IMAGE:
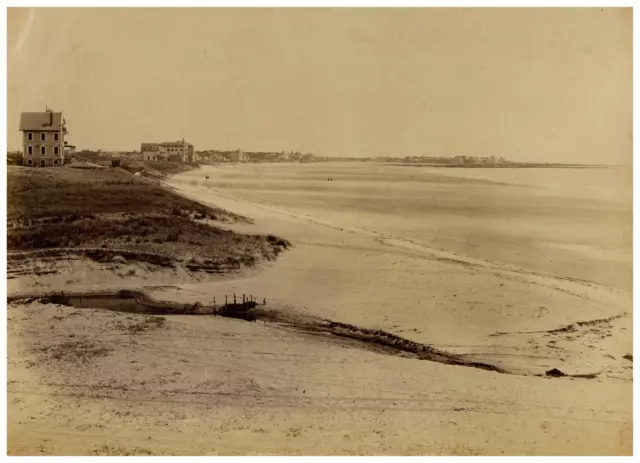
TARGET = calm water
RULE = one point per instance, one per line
(568, 222)
(613, 184)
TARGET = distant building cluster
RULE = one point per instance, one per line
(176, 151)
(217, 156)
(477, 159)
(44, 145)
(454, 159)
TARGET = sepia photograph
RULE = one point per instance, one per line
(319, 231)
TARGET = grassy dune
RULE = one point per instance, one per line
(110, 209)
(155, 169)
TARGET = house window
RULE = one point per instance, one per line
(30, 136)
(29, 150)
(56, 136)
(43, 150)
(56, 150)
(43, 136)
(55, 162)
(29, 162)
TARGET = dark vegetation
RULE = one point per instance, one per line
(109, 212)
(105, 450)
(75, 351)
(155, 168)
(65, 194)
(141, 324)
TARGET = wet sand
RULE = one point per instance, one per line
(364, 269)
(564, 222)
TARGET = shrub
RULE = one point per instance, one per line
(191, 308)
(57, 298)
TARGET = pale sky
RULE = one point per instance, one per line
(527, 84)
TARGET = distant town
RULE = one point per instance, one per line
(45, 145)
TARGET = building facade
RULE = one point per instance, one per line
(43, 135)
(177, 151)
(238, 156)
(149, 151)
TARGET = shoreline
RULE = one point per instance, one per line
(579, 297)
(506, 166)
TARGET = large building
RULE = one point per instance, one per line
(43, 135)
(177, 151)
(149, 151)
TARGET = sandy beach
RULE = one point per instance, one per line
(401, 250)
(449, 260)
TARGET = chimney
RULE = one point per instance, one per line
(50, 111)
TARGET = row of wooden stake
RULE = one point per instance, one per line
(245, 299)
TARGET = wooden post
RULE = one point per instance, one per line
(225, 300)
(234, 298)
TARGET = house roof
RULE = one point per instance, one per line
(41, 121)
(149, 147)
(176, 143)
